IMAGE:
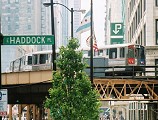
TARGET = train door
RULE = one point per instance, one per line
(130, 55)
(136, 55)
(35, 59)
(112, 53)
(139, 55)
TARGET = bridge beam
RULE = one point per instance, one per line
(127, 89)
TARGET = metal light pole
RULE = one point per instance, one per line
(72, 31)
(91, 57)
(53, 33)
(53, 28)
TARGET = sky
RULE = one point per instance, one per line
(99, 20)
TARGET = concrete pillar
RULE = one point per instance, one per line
(19, 111)
(151, 114)
(28, 112)
(10, 111)
(38, 113)
(34, 112)
(49, 118)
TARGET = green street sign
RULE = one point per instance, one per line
(116, 40)
(29, 40)
(116, 29)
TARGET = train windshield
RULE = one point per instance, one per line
(35, 59)
(140, 53)
(131, 51)
(29, 60)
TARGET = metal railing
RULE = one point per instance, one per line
(134, 72)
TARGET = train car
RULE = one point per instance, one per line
(121, 58)
(125, 57)
(42, 60)
(130, 56)
(23, 63)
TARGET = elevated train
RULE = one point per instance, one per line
(117, 55)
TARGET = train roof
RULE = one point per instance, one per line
(110, 46)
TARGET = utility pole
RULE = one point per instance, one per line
(91, 57)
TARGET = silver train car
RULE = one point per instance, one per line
(116, 55)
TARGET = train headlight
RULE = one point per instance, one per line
(142, 62)
(131, 61)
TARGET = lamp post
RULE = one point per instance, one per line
(53, 30)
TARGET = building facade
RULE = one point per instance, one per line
(115, 14)
(31, 17)
(18, 18)
(142, 26)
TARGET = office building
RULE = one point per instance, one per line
(142, 26)
(31, 17)
(115, 14)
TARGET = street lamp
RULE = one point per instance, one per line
(53, 30)
(71, 10)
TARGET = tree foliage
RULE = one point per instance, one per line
(72, 96)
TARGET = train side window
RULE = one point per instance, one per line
(112, 53)
(29, 60)
(122, 52)
(35, 59)
(12, 66)
(22, 61)
(107, 51)
(43, 58)
(100, 52)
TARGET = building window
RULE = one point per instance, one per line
(16, 1)
(8, 10)
(156, 3)
(17, 26)
(29, 27)
(144, 34)
(144, 5)
(8, 18)
(28, 1)
(28, 10)
(16, 18)
(9, 27)
(156, 31)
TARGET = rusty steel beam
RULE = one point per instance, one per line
(123, 89)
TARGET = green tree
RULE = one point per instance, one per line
(72, 96)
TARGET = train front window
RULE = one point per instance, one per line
(112, 53)
(142, 53)
(139, 52)
(43, 58)
(131, 51)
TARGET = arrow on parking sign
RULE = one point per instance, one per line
(118, 27)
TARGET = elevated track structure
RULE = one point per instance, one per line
(32, 86)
